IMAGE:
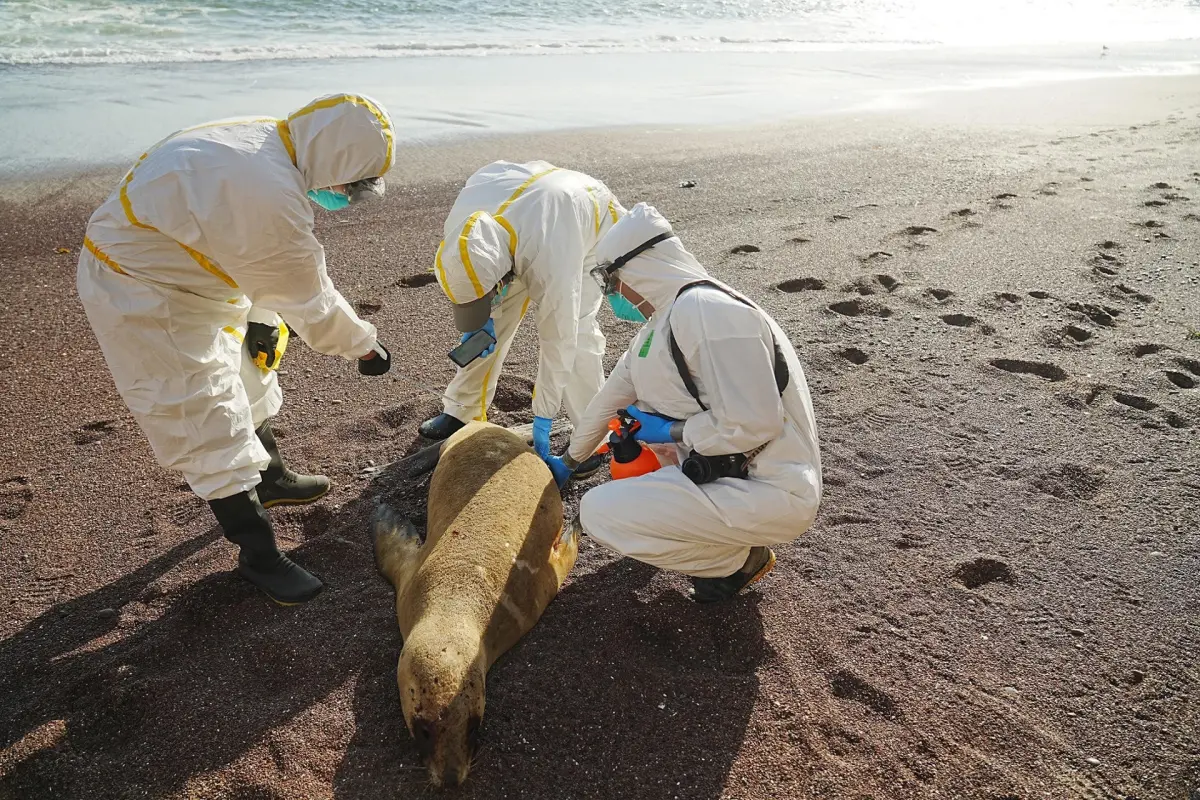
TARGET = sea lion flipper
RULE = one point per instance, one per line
(569, 535)
(397, 545)
(566, 549)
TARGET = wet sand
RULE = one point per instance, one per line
(997, 301)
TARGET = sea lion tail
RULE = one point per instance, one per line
(396, 544)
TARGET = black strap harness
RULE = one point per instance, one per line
(782, 375)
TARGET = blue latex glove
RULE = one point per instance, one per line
(490, 327)
(560, 471)
(654, 430)
(541, 437)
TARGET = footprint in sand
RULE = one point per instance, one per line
(417, 281)
(1191, 365)
(874, 284)
(1101, 315)
(1070, 336)
(963, 212)
(999, 200)
(1038, 369)
(878, 255)
(1143, 350)
(1155, 203)
(15, 496)
(858, 308)
(838, 218)
(1070, 481)
(1003, 300)
(1180, 379)
(799, 240)
(1038, 294)
(960, 320)
(918, 230)
(854, 355)
(94, 431)
(845, 685)
(1176, 198)
(940, 295)
(1123, 291)
(801, 285)
(1050, 189)
(742, 249)
(1109, 244)
(1161, 185)
(1150, 223)
(1135, 401)
(1104, 263)
(366, 309)
(982, 571)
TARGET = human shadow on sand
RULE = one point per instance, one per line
(623, 689)
(141, 705)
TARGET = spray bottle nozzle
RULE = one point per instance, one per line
(629, 458)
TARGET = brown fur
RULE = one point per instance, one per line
(495, 555)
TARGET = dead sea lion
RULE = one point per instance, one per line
(495, 555)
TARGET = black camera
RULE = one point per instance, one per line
(706, 469)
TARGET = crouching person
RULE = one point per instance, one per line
(716, 386)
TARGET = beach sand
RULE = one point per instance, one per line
(996, 300)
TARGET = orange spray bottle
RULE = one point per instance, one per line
(629, 458)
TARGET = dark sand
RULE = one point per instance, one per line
(993, 301)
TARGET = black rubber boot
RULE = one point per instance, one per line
(281, 486)
(245, 523)
(588, 467)
(713, 590)
(443, 426)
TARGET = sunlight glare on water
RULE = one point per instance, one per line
(134, 31)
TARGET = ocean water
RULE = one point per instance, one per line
(85, 82)
(93, 32)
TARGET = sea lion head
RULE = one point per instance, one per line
(441, 682)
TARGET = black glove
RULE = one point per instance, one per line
(378, 365)
(262, 338)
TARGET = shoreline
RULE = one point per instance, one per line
(1077, 102)
(451, 98)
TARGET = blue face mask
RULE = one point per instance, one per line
(624, 309)
(329, 199)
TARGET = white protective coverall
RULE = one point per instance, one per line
(541, 223)
(662, 518)
(211, 227)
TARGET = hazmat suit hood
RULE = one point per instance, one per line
(340, 138)
(656, 274)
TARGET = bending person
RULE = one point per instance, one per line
(185, 273)
(731, 406)
(519, 233)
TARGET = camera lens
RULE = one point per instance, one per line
(697, 469)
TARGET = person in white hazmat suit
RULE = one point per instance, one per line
(731, 401)
(185, 272)
(519, 233)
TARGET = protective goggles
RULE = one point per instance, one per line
(605, 275)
